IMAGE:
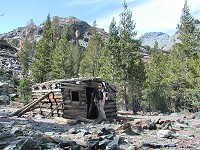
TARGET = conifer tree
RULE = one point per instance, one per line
(24, 91)
(25, 57)
(89, 63)
(56, 31)
(182, 56)
(41, 65)
(64, 58)
(108, 69)
(129, 60)
(195, 100)
(27, 47)
(155, 85)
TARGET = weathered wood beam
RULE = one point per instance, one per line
(20, 110)
(27, 108)
(53, 110)
(79, 118)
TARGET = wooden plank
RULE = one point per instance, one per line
(110, 110)
(64, 120)
(111, 107)
(73, 85)
(46, 91)
(69, 107)
(18, 111)
(26, 109)
(49, 107)
(54, 110)
(67, 103)
(79, 118)
(111, 115)
(75, 112)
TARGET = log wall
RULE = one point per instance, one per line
(72, 109)
(71, 98)
(49, 103)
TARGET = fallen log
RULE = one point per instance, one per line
(18, 111)
(125, 118)
(28, 107)
(84, 119)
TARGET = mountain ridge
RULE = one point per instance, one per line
(81, 31)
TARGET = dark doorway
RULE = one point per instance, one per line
(92, 111)
(75, 96)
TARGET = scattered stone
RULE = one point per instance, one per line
(93, 143)
(129, 131)
(112, 146)
(28, 143)
(180, 125)
(164, 133)
(197, 115)
(5, 135)
(157, 145)
(3, 144)
(17, 131)
(104, 131)
(4, 100)
(66, 143)
(170, 131)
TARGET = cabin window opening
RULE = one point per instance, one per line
(75, 96)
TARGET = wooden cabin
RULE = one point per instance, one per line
(72, 98)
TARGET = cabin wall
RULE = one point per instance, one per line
(73, 99)
(110, 105)
(74, 103)
(49, 103)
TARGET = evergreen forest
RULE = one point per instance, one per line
(167, 82)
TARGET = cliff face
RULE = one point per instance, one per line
(164, 40)
(150, 38)
(12, 42)
(79, 30)
(8, 58)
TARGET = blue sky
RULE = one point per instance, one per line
(149, 15)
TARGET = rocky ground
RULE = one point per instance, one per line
(126, 132)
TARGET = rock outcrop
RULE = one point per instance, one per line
(79, 30)
(150, 38)
(8, 58)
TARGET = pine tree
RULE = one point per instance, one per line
(24, 90)
(89, 63)
(195, 100)
(64, 58)
(27, 47)
(182, 56)
(41, 65)
(155, 85)
(25, 57)
(56, 31)
(129, 60)
(108, 53)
